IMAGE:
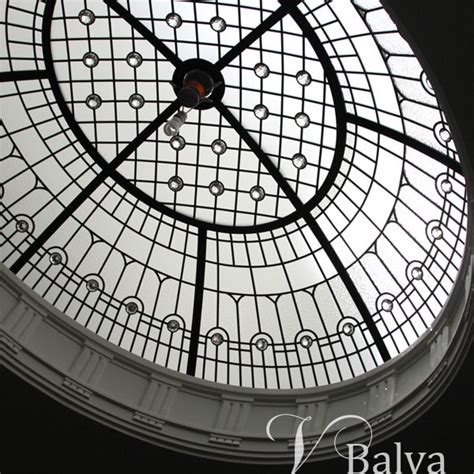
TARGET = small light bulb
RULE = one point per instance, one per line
(173, 125)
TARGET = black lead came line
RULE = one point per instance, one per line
(92, 186)
(289, 6)
(107, 168)
(406, 140)
(313, 225)
(254, 35)
(198, 299)
(144, 31)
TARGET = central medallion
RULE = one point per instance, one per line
(198, 84)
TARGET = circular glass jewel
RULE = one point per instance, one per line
(90, 59)
(260, 111)
(348, 329)
(217, 339)
(177, 142)
(92, 285)
(304, 78)
(93, 101)
(216, 188)
(218, 24)
(427, 84)
(306, 341)
(442, 133)
(299, 161)
(172, 325)
(445, 135)
(86, 17)
(417, 273)
(261, 344)
(173, 20)
(134, 59)
(22, 225)
(219, 147)
(302, 120)
(387, 305)
(55, 258)
(437, 233)
(131, 308)
(175, 184)
(136, 101)
(257, 193)
(446, 186)
(261, 70)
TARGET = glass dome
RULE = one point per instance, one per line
(307, 226)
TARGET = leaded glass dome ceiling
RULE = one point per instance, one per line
(305, 225)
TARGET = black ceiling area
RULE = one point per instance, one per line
(55, 437)
(267, 196)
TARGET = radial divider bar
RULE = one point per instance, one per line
(92, 186)
(313, 225)
(255, 34)
(7, 76)
(406, 140)
(144, 31)
(198, 297)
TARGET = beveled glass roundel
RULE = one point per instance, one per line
(446, 186)
(173, 325)
(348, 329)
(261, 344)
(261, 70)
(299, 161)
(131, 307)
(90, 59)
(426, 83)
(437, 233)
(216, 188)
(387, 305)
(86, 17)
(417, 273)
(93, 101)
(55, 258)
(174, 20)
(134, 59)
(306, 341)
(218, 24)
(217, 339)
(92, 285)
(136, 101)
(219, 147)
(444, 135)
(175, 184)
(261, 112)
(257, 193)
(177, 142)
(303, 78)
(302, 120)
(22, 226)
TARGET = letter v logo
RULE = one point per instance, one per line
(299, 438)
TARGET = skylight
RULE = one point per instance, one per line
(305, 225)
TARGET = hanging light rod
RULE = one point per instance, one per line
(197, 87)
